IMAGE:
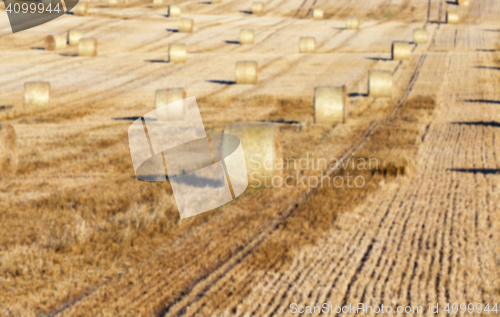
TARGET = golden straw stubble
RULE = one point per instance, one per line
(174, 10)
(186, 25)
(81, 8)
(452, 18)
(157, 3)
(166, 96)
(420, 36)
(261, 145)
(380, 84)
(87, 47)
(246, 36)
(177, 53)
(401, 51)
(352, 23)
(55, 42)
(257, 7)
(329, 104)
(307, 45)
(8, 152)
(463, 2)
(318, 14)
(246, 73)
(37, 95)
(74, 37)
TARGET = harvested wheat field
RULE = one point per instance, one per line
(416, 225)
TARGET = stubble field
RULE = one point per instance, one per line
(81, 236)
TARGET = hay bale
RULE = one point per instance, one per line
(380, 84)
(74, 37)
(55, 42)
(177, 53)
(157, 3)
(329, 105)
(81, 8)
(37, 95)
(420, 36)
(452, 18)
(246, 36)
(166, 96)
(116, 3)
(186, 25)
(261, 143)
(401, 51)
(352, 23)
(463, 2)
(8, 152)
(87, 47)
(318, 14)
(257, 7)
(246, 73)
(307, 45)
(174, 10)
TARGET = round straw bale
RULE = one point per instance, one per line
(380, 84)
(246, 36)
(352, 23)
(174, 10)
(81, 8)
(37, 95)
(463, 2)
(246, 73)
(420, 36)
(307, 45)
(329, 104)
(55, 42)
(177, 53)
(257, 7)
(401, 51)
(261, 145)
(87, 47)
(158, 3)
(8, 152)
(74, 37)
(318, 14)
(164, 97)
(186, 25)
(452, 18)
